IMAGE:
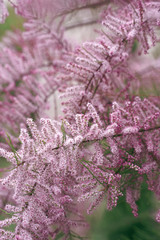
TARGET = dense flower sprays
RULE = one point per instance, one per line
(104, 67)
(28, 71)
(61, 165)
(108, 138)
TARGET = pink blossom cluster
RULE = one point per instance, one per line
(28, 69)
(108, 141)
(3, 11)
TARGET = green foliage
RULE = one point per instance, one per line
(8, 140)
(120, 224)
(63, 132)
(12, 23)
(135, 46)
(59, 235)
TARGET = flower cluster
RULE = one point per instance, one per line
(106, 144)
(28, 71)
(61, 165)
(104, 67)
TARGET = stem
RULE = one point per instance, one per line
(114, 136)
(91, 173)
(93, 5)
(75, 25)
(2, 210)
(90, 80)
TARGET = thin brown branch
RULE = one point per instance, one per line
(89, 6)
(80, 24)
(113, 136)
(89, 82)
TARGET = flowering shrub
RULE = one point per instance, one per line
(106, 144)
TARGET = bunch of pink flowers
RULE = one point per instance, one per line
(106, 144)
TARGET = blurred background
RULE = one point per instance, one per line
(118, 224)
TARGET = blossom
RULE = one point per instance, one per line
(3, 12)
(54, 162)
(107, 142)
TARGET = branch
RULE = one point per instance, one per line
(113, 136)
(80, 24)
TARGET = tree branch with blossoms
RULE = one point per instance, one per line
(106, 144)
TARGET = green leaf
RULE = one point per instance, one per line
(64, 132)
(59, 235)
(2, 210)
(9, 141)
